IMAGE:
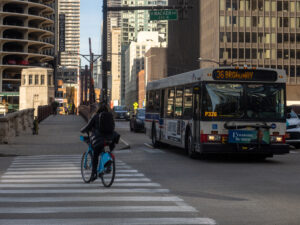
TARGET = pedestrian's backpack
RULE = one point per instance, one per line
(106, 122)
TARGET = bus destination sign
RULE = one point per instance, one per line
(244, 75)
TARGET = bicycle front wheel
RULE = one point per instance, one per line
(86, 167)
(108, 175)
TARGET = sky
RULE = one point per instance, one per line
(90, 26)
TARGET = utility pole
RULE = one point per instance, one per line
(85, 83)
(92, 90)
(104, 54)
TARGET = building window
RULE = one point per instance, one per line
(241, 53)
(234, 53)
(36, 79)
(279, 38)
(42, 79)
(49, 80)
(292, 54)
(30, 80)
(241, 37)
(279, 54)
(286, 53)
(247, 53)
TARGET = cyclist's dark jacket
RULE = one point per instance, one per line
(97, 134)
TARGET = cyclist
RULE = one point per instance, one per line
(102, 127)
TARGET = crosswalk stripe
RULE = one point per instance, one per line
(55, 168)
(63, 185)
(59, 172)
(32, 179)
(113, 221)
(92, 199)
(62, 180)
(81, 191)
(91, 209)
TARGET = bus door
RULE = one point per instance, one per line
(196, 114)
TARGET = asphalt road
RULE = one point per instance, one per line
(154, 186)
(231, 190)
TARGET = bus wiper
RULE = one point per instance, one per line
(256, 126)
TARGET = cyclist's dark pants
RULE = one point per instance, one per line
(97, 152)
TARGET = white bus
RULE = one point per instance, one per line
(220, 110)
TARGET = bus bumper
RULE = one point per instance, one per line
(275, 149)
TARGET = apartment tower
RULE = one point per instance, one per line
(134, 22)
(27, 31)
(70, 56)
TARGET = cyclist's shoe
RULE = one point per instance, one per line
(94, 176)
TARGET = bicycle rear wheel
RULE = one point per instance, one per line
(108, 176)
(86, 167)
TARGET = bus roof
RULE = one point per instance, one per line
(206, 75)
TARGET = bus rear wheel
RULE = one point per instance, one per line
(189, 146)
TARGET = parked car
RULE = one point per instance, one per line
(137, 121)
(121, 112)
(293, 129)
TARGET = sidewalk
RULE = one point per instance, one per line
(57, 135)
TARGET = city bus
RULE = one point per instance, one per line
(220, 110)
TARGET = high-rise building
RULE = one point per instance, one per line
(26, 40)
(134, 22)
(116, 66)
(258, 33)
(69, 10)
(134, 63)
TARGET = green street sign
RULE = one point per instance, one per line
(166, 14)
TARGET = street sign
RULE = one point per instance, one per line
(135, 105)
(166, 14)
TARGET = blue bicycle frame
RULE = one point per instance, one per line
(104, 157)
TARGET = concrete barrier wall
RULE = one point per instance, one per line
(14, 124)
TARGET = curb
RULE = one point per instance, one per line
(149, 145)
(127, 146)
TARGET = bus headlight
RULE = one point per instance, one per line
(277, 139)
(214, 138)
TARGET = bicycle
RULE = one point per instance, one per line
(106, 167)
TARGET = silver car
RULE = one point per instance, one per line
(293, 129)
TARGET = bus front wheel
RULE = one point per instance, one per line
(190, 149)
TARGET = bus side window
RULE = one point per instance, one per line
(150, 103)
(188, 103)
(157, 102)
(196, 93)
(170, 103)
(162, 105)
(178, 103)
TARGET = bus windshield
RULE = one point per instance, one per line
(244, 101)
